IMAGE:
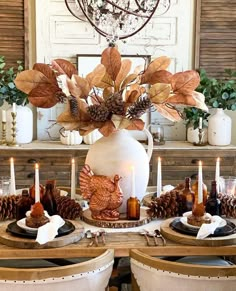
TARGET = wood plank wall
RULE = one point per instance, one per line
(215, 36)
(14, 31)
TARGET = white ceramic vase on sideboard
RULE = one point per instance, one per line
(219, 128)
(24, 125)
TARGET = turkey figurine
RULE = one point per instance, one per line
(104, 194)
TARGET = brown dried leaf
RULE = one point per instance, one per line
(111, 59)
(129, 79)
(27, 80)
(83, 113)
(74, 90)
(160, 77)
(185, 82)
(124, 71)
(134, 92)
(46, 71)
(158, 64)
(44, 96)
(200, 99)
(107, 128)
(107, 92)
(159, 93)
(167, 112)
(64, 67)
(95, 77)
(136, 124)
(106, 82)
(181, 99)
(83, 85)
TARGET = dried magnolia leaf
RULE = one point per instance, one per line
(95, 77)
(74, 90)
(83, 113)
(199, 99)
(160, 77)
(124, 71)
(106, 82)
(27, 80)
(134, 92)
(158, 64)
(185, 82)
(107, 128)
(136, 124)
(44, 96)
(46, 71)
(64, 67)
(107, 92)
(167, 112)
(129, 79)
(111, 59)
(159, 93)
(181, 99)
(83, 85)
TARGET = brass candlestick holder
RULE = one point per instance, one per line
(13, 130)
(4, 126)
(200, 137)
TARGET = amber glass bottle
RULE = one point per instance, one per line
(48, 200)
(195, 190)
(213, 205)
(23, 205)
(133, 208)
(189, 196)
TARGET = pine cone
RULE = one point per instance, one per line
(98, 112)
(74, 109)
(167, 205)
(67, 208)
(139, 107)
(228, 205)
(8, 206)
(115, 104)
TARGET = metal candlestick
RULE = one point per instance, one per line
(3, 141)
(13, 130)
(200, 137)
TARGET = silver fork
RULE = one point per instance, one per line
(158, 234)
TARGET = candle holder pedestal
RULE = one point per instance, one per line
(200, 137)
(13, 129)
(3, 140)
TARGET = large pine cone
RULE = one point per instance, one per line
(8, 206)
(228, 205)
(98, 112)
(139, 107)
(115, 104)
(67, 208)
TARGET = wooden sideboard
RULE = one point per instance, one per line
(179, 160)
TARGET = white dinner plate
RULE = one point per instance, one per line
(184, 221)
(21, 224)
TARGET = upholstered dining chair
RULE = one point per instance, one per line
(90, 275)
(155, 274)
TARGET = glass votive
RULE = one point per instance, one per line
(228, 185)
(157, 131)
(5, 182)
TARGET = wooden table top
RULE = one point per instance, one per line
(121, 242)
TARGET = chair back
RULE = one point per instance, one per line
(91, 275)
(154, 274)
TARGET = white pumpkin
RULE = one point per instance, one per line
(92, 137)
(71, 137)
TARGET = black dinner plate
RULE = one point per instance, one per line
(14, 229)
(178, 226)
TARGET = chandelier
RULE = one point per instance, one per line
(117, 19)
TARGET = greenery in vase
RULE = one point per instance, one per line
(192, 116)
(8, 90)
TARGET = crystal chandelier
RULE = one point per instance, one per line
(117, 19)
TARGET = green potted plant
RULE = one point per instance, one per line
(10, 94)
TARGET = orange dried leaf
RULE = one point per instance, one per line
(185, 82)
(181, 99)
(83, 85)
(136, 124)
(64, 67)
(44, 96)
(95, 77)
(200, 100)
(47, 71)
(106, 82)
(159, 93)
(107, 92)
(111, 59)
(74, 90)
(83, 113)
(27, 80)
(124, 70)
(129, 79)
(167, 112)
(160, 77)
(107, 128)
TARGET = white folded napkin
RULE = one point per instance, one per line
(209, 228)
(48, 231)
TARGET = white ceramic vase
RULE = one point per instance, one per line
(24, 125)
(116, 154)
(193, 137)
(219, 128)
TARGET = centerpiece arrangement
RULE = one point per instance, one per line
(111, 99)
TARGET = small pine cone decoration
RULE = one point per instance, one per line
(115, 104)
(67, 208)
(73, 106)
(139, 107)
(228, 205)
(8, 207)
(167, 205)
(98, 112)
